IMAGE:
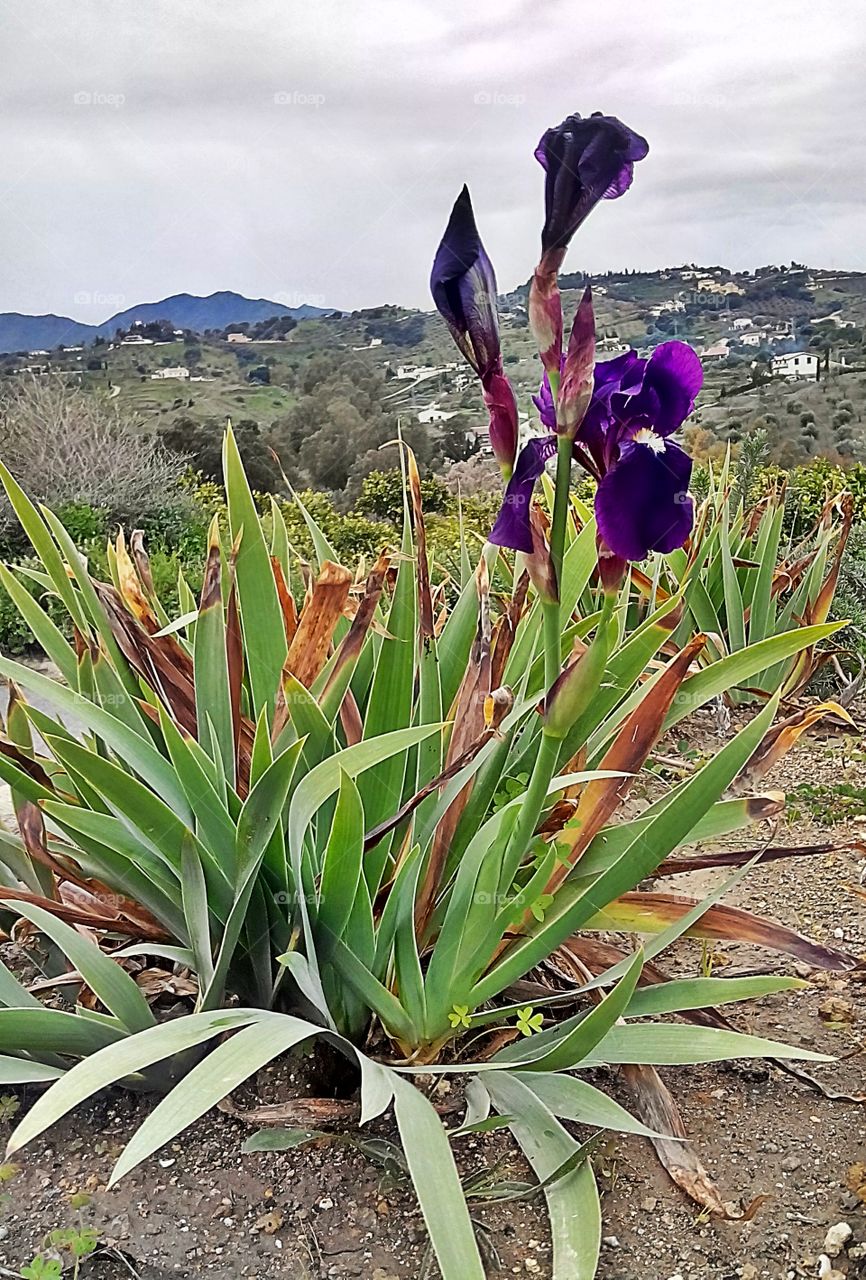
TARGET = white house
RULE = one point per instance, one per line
(835, 318)
(796, 364)
(718, 351)
(434, 414)
(753, 339)
(178, 372)
(238, 337)
(136, 340)
(741, 322)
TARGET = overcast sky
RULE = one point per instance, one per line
(310, 150)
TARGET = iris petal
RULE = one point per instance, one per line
(674, 376)
(513, 528)
(643, 503)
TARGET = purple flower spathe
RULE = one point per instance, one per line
(642, 502)
(586, 160)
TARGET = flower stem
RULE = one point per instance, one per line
(536, 795)
(548, 749)
(552, 611)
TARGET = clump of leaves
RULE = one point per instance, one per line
(347, 820)
(830, 804)
(77, 1242)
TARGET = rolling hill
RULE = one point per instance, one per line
(185, 310)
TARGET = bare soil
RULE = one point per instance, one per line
(201, 1207)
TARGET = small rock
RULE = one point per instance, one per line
(269, 1222)
(649, 1204)
(612, 1242)
(748, 1271)
(826, 1270)
(790, 1163)
(836, 1011)
(836, 1239)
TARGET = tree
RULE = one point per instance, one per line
(202, 443)
(339, 430)
(66, 445)
(459, 441)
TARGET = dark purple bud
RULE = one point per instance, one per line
(586, 160)
(464, 289)
(575, 390)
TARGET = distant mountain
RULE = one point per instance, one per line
(185, 311)
(38, 333)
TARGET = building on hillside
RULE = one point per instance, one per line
(753, 339)
(796, 364)
(136, 340)
(726, 287)
(238, 337)
(177, 372)
(434, 414)
(834, 318)
(742, 322)
(718, 351)
(612, 347)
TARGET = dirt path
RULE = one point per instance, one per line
(203, 1208)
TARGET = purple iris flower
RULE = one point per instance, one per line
(586, 160)
(642, 502)
(463, 285)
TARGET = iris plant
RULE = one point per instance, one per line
(616, 418)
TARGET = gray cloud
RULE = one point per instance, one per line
(313, 150)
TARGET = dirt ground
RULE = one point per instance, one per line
(202, 1207)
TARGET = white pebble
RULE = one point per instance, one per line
(836, 1239)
